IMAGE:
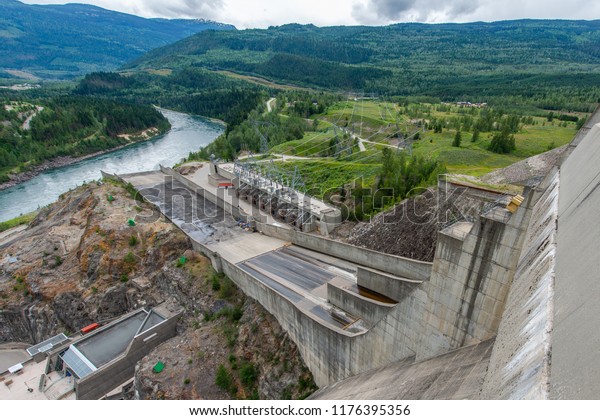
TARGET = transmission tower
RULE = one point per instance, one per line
(264, 141)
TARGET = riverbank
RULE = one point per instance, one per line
(62, 161)
(187, 134)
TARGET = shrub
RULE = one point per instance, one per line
(286, 394)
(231, 334)
(234, 314)
(457, 139)
(226, 288)
(133, 240)
(248, 374)
(129, 258)
(181, 262)
(224, 380)
(216, 284)
(233, 361)
(502, 142)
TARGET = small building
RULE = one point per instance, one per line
(105, 358)
(89, 366)
(40, 351)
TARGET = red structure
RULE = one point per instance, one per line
(90, 328)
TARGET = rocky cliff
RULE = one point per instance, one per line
(81, 261)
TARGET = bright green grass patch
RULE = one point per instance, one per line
(533, 140)
(381, 111)
(321, 176)
(312, 144)
(373, 115)
(475, 159)
(469, 159)
(379, 121)
(372, 155)
(371, 120)
(24, 219)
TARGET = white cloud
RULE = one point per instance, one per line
(387, 11)
(263, 13)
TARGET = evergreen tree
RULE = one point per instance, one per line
(457, 139)
(503, 142)
(475, 137)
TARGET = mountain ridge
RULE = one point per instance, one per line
(61, 41)
(443, 60)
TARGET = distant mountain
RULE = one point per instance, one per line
(523, 57)
(72, 39)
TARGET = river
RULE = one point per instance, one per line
(187, 134)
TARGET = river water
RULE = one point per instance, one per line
(187, 134)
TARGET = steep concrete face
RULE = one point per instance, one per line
(576, 337)
(471, 276)
(520, 363)
(452, 376)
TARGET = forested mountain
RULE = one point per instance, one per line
(71, 39)
(540, 59)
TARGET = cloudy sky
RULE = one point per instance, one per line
(263, 13)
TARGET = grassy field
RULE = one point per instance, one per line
(474, 158)
(371, 120)
(533, 140)
(322, 175)
(312, 144)
(380, 121)
(17, 221)
(377, 121)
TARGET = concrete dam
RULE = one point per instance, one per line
(506, 310)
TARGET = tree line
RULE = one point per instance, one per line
(70, 126)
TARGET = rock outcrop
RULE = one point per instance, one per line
(81, 262)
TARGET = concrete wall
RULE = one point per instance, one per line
(404, 267)
(470, 282)
(367, 309)
(334, 354)
(520, 362)
(576, 337)
(110, 376)
(461, 304)
(393, 287)
(324, 350)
